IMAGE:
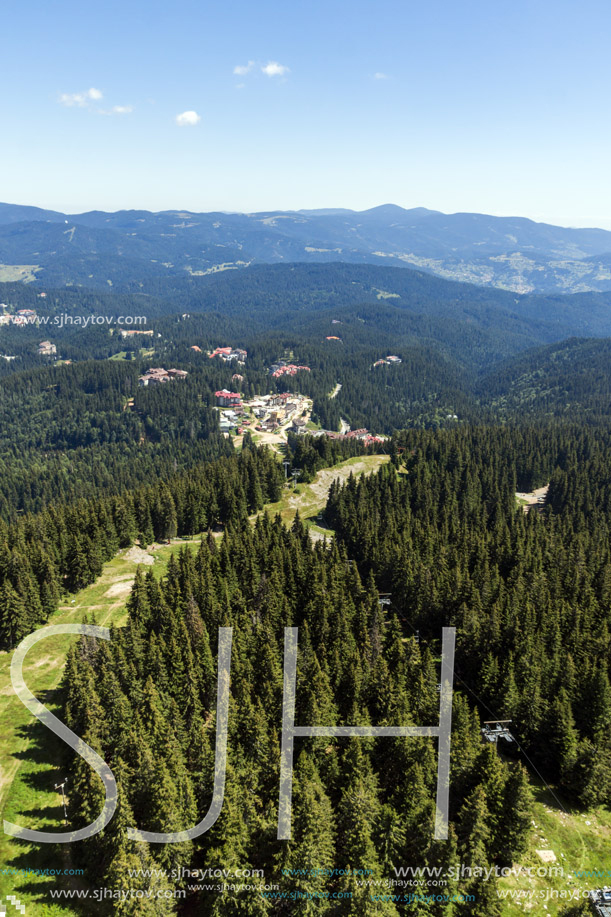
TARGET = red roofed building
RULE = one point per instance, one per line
(228, 399)
(289, 369)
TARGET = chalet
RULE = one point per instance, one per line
(237, 378)
(393, 359)
(154, 377)
(228, 399)
(299, 425)
(381, 363)
(196, 348)
(46, 349)
(27, 313)
(332, 337)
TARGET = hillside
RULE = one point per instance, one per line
(367, 676)
(571, 380)
(128, 247)
(477, 325)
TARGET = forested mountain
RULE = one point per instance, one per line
(282, 291)
(474, 325)
(532, 620)
(95, 248)
(63, 548)
(529, 596)
(493, 393)
(570, 380)
(71, 431)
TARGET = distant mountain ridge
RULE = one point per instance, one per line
(98, 249)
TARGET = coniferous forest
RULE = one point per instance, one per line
(91, 464)
(438, 530)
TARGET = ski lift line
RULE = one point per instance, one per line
(480, 701)
(484, 704)
(534, 768)
(541, 777)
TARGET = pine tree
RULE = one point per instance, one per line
(167, 524)
(132, 873)
(514, 828)
(310, 852)
(13, 622)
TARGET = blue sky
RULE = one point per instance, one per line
(480, 106)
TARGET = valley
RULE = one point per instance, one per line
(400, 428)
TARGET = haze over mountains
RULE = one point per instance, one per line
(130, 248)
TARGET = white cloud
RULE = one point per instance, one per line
(273, 68)
(380, 76)
(243, 69)
(80, 99)
(116, 110)
(188, 119)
